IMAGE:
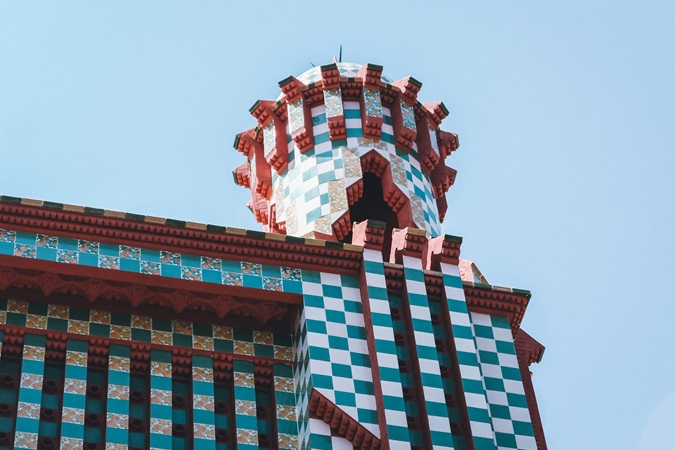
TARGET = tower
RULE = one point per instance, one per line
(349, 322)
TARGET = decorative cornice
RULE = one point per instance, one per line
(167, 234)
(341, 423)
(129, 292)
(493, 300)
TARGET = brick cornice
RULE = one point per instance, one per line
(341, 423)
(167, 234)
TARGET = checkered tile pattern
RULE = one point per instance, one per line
(203, 401)
(338, 350)
(30, 392)
(131, 327)
(150, 262)
(161, 411)
(303, 380)
(428, 359)
(245, 405)
(119, 379)
(324, 440)
(467, 356)
(504, 387)
(286, 415)
(74, 394)
(386, 355)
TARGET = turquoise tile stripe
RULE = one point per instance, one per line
(160, 399)
(245, 405)
(428, 358)
(74, 394)
(203, 403)
(119, 379)
(286, 417)
(386, 356)
(503, 384)
(467, 356)
(30, 392)
(150, 262)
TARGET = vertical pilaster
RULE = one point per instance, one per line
(380, 336)
(203, 401)
(467, 357)
(503, 384)
(427, 355)
(245, 405)
(30, 392)
(74, 394)
(287, 425)
(160, 399)
(119, 380)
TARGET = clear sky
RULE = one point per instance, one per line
(565, 112)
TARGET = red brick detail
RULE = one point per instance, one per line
(442, 178)
(442, 206)
(293, 89)
(330, 76)
(55, 350)
(246, 143)
(235, 244)
(342, 226)
(144, 294)
(266, 111)
(140, 358)
(403, 136)
(529, 350)
(437, 112)
(388, 94)
(98, 353)
(375, 163)
(181, 363)
(354, 191)
(371, 76)
(442, 249)
(448, 142)
(408, 242)
(495, 301)
(242, 175)
(341, 424)
(222, 367)
(337, 128)
(369, 234)
(351, 89)
(409, 88)
(429, 159)
(12, 342)
(259, 205)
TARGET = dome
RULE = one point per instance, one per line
(347, 70)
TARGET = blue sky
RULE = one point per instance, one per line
(565, 172)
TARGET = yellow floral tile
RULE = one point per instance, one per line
(76, 358)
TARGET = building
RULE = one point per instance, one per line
(350, 322)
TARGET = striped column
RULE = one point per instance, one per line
(287, 425)
(427, 355)
(160, 399)
(30, 392)
(119, 379)
(203, 401)
(376, 304)
(74, 394)
(467, 358)
(246, 418)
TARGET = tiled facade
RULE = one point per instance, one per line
(318, 344)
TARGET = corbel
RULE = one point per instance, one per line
(273, 129)
(332, 99)
(300, 123)
(370, 101)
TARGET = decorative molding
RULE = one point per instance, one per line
(341, 424)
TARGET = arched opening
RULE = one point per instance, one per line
(372, 206)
